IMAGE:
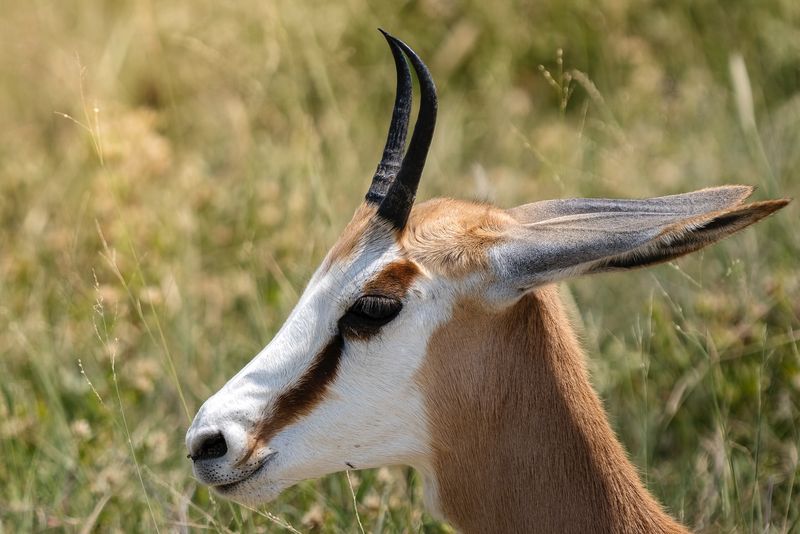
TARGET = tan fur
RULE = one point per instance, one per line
(521, 442)
(451, 237)
(353, 235)
(448, 236)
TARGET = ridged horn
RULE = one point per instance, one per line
(392, 158)
(399, 199)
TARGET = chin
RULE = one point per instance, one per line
(252, 492)
(251, 496)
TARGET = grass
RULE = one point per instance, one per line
(171, 175)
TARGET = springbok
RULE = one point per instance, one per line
(433, 337)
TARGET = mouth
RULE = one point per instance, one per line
(227, 489)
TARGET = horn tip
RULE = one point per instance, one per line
(389, 37)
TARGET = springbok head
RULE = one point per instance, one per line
(343, 382)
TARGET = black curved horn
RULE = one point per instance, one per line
(392, 158)
(399, 199)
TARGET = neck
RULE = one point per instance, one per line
(520, 440)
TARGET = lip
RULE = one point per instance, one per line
(225, 489)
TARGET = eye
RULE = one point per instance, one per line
(375, 308)
(368, 314)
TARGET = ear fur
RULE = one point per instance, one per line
(559, 239)
(694, 203)
(688, 236)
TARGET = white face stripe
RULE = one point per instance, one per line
(312, 321)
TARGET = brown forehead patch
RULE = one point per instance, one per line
(452, 237)
(394, 280)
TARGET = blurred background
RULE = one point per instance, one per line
(171, 174)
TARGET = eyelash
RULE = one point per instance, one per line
(368, 315)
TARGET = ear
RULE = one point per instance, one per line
(557, 239)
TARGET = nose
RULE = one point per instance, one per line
(220, 454)
(208, 447)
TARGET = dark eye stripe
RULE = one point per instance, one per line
(300, 399)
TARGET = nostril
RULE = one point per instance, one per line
(210, 447)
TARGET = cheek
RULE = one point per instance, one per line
(373, 415)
